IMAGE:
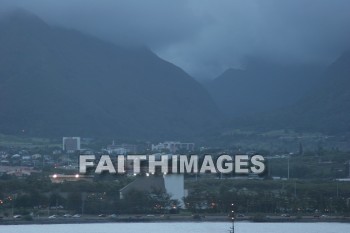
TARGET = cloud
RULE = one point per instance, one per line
(282, 31)
(204, 37)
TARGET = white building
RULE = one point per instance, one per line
(173, 146)
(121, 149)
(173, 184)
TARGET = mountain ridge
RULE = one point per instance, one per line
(55, 82)
(324, 109)
(261, 87)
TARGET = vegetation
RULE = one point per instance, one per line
(39, 196)
(267, 196)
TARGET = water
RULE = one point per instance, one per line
(188, 227)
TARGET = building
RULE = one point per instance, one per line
(71, 144)
(173, 146)
(121, 149)
(173, 184)
(18, 171)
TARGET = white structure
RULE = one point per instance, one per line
(121, 149)
(174, 186)
(71, 144)
(173, 146)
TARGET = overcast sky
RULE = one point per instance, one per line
(205, 37)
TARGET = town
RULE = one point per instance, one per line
(43, 183)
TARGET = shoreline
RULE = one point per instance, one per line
(171, 218)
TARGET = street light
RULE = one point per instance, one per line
(232, 216)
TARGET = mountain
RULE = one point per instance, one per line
(325, 108)
(328, 107)
(261, 87)
(56, 82)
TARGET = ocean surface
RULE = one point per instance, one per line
(188, 227)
